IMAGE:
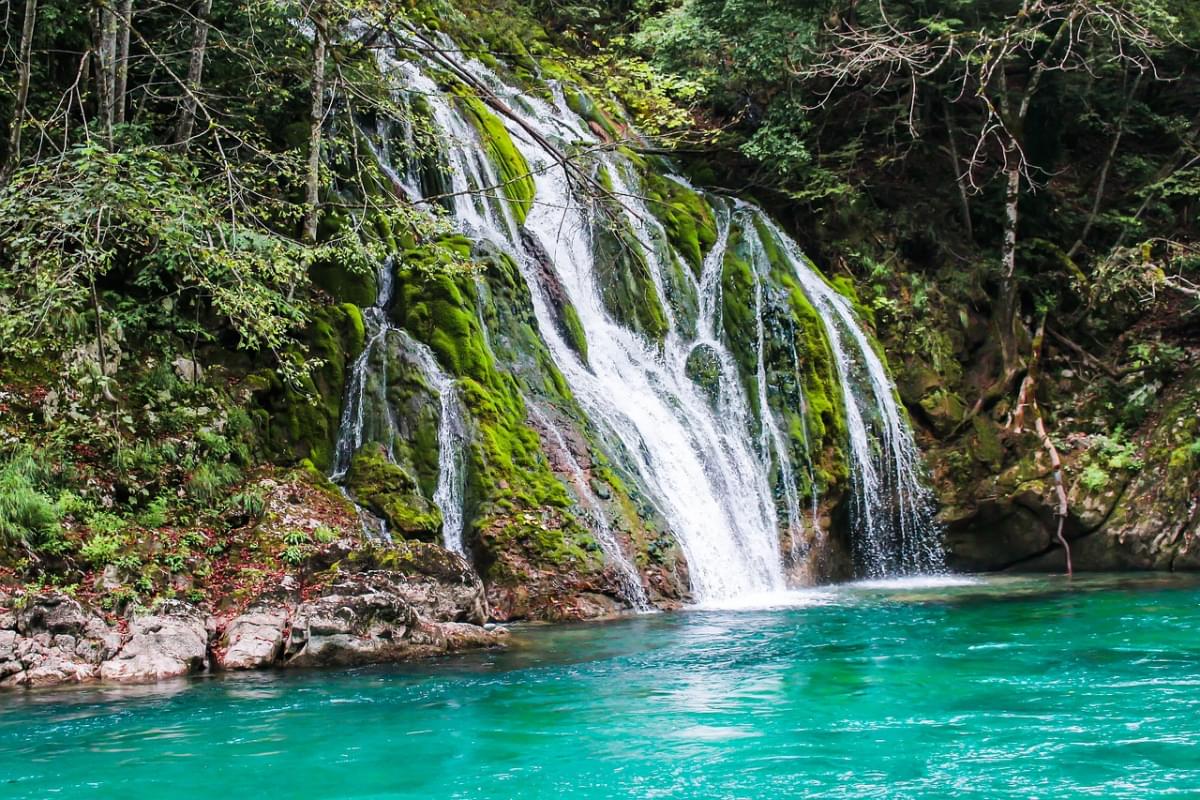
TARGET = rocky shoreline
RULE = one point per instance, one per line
(362, 614)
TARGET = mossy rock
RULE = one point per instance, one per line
(626, 284)
(704, 369)
(508, 472)
(944, 410)
(685, 217)
(302, 420)
(393, 494)
(584, 106)
(517, 183)
(805, 392)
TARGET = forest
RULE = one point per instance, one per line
(599, 398)
(217, 216)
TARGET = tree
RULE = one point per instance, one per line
(13, 157)
(320, 22)
(187, 114)
(995, 68)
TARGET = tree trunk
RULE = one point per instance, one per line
(1006, 320)
(13, 157)
(187, 116)
(960, 179)
(316, 122)
(122, 67)
(104, 21)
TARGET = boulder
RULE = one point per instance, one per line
(188, 370)
(52, 638)
(169, 641)
(376, 616)
(254, 639)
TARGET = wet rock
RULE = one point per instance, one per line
(996, 536)
(254, 639)
(169, 641)
(384, 604)
(362, 620)
(430, 602)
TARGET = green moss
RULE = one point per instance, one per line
(393, 494)
(518, 184)
(573, 331)
(737, 313)
(684, 215)
(343, 281)
(844, 285)
(510, 486)
(985, 444)
(584, 106)
(626, 284)
(303, 420)
(799, 362)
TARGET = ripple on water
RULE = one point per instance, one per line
(1010, 688)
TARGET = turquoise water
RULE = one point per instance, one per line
(1016, 688)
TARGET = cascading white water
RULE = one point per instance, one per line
(452, 443)
(704, 468)
(699, 465)
(771, 437)
(894, 532)
(367, 388)
(352, 425)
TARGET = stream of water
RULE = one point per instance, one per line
(992, 688)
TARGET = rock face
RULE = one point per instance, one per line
(1139, 513)
(51, 639)
(254, 639)
(168, 642)
(412, 601)
(362, 620)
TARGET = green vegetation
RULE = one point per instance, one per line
(187, 247)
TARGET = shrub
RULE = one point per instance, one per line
(293, 555)
(27, 516)
(209, 480)
(249, 504)
(101, 549)
(155, 513)
(105, 523)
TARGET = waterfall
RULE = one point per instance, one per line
(893, 526)
(705, 461)
(770, 437)
(351, 427)
(452, 444)
(367, 391)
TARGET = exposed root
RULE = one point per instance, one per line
(1027, 403)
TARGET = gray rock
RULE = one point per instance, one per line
(54, 667)
(188, 370)
(52, 614)
(171, 640)
(255, 638)
(362, 620)
(380, 616)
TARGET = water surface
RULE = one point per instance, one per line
(1006, 687)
